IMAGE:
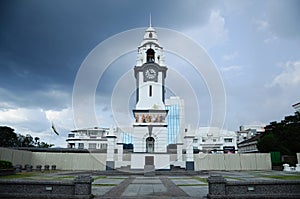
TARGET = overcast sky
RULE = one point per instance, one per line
(255, 46)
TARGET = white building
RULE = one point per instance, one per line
(89, 138)
(249, 131)
(214, 140)
(297, 107)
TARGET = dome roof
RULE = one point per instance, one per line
(150, 36)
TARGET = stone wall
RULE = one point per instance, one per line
(227, 162)
(218, 187)
(80, 187)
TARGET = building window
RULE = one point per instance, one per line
(80, 145)
(150, 55)
(203, 140)
(71, 135)
(214, 140)
(150, 91)
(195, 140)
(92, 145)
(228, 140)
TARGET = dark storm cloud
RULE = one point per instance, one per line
(44, 42)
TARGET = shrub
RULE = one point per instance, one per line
(5, 164)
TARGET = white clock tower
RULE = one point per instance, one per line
(150, 128)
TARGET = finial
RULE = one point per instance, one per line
(150, 25)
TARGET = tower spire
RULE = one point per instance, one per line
(150, 25)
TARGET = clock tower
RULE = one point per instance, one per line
(150, 128)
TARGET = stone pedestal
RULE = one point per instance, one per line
(216, 185)
(83, 185)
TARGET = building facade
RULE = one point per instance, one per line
(175, 119)
(249, 131)
(214, 140)
(297, 107)
(89, 138)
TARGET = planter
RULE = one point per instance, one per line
(6, 172)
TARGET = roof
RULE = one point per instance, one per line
(255, 138)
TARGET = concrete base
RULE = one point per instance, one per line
(189, 166)
(110, 165)
(161, 160)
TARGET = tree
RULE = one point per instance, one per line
(283, 136)
(8, 137)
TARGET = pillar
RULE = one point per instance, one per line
(110, 163)
(189, 163)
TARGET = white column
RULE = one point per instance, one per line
(189, 163)
(189, 148)
(110, 148)
(120, 151)
(111, 139)
(179, 152)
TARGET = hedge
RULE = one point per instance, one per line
(5, 164)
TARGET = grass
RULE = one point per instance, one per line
(282, 177)
(204, 180)
(191, 185)
(233, 178)
(104, 185)
(18, 176)
(99, 177)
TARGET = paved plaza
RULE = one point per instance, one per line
(159, 186)
(174, 186)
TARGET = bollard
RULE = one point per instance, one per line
(18, 168)
(53, 167)
(286, 167)
(38, 167)
(28, 167)
(46, 167)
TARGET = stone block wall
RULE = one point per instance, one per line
(80, 187)
(219, 187)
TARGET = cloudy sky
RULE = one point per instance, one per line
(255, 46)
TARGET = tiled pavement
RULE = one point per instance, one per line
(149, 187)
(169, 186)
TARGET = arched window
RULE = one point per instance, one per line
(150, 55)
(150, 145)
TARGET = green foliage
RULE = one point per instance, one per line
(283, 136)
(5, 164)
(8, 138)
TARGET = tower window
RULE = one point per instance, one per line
(150, 35)
(150, 55)
(150, 91)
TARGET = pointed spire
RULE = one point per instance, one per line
(150, 25)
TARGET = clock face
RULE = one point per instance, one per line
(150, 74)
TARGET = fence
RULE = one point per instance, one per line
(254, 161)
(97, 161)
